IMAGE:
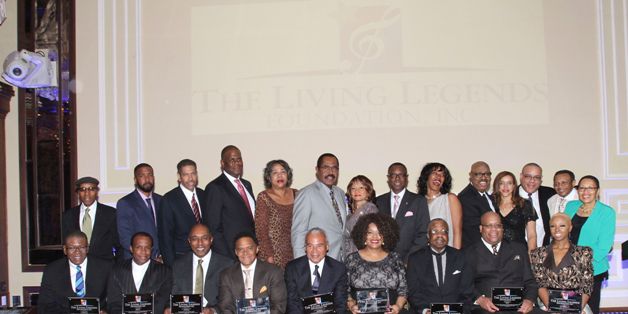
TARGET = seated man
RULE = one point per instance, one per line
(71, 277)
(139, 275)
(187, 277)
(315, 273)
(495, 263)
(429, 282)
(251, 278)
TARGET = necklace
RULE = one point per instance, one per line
(584, 210)
(432, 197)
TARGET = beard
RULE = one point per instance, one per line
(146, 187)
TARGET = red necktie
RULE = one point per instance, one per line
(196, 210)
(243, 195)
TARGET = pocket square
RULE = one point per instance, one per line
(263, 289)
(409, 214)
(456, 272)
(516, 258)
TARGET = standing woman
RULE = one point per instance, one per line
(434, 184)
(518, 216)
(273, 214)
(360, 196)
(593, 226)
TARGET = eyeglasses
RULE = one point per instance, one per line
(494, 226)
(482, 174)
(587, 188)
(397, 175)
(326, 167)
(531, 177)
(86, 189)
(73, 249)
(442, 231)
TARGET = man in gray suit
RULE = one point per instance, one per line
(320, 204)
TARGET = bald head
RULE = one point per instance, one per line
(480, 176)
(491, 228)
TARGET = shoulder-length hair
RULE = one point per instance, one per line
(269, 169)
(425, 173)
(516, 199)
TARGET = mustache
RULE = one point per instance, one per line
(330, 176)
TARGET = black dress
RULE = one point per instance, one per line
(515, 222)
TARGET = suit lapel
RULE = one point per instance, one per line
(384, 207)
(187, 211)
(258, 282)
(327, 277)
(69, 279)
(403, 205)
(99, 224)
(229, 188)
(146, 281)
(449, 268)
(305, 281)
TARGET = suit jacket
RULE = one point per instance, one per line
(544, 194)
(474, 206)
(228, 213)
(413, 216)
(56, 285)
(299, 283)
(510, 267)
(184, 283)
(157, 280)
(175, 218)
(104, 240)
(313, 208)
(133, 215)
(423, 288)
(266, 275)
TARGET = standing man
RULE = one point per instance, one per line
(436, 272)
(179, 210)
(316, 273)
(137, 211)
(96, 220)
(230, 202)
(75, 275)
(564, 184)
(408, 209)
(251, 278)
(475, 201)
(531, 189)
(139, 275)
(320, 204)
(197, 272)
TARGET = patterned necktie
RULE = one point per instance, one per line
(195, 209)
(317, 280)
(150, 209)
(334, 203)
(248, 286)
(79, 282)
(87, 224)
(561, 205)
(243, 195)
(395, 205)
(494, 246)
(198, 281)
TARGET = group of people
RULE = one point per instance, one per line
(427, 247)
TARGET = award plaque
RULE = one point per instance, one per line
(446, 308)
(84, 305)
(372, 300)
(319, 304)
(186, 303)
(137, 304)
(253, 306)
(508, 298)
(564, 301)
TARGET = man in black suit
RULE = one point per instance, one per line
(315, 273)
(137, 211)
(139, 275)
(407, 208)
(96, 220)
(230, 202)
(475, 201)
(531, 178)
(187, 278)
(75, 275)
(179, 210)
(251, 278)
(429, 282)
(495, 263)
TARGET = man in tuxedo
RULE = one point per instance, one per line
(320, 204)
(197, 272)
(96, 220)
(435, 273)
(475, 201)
(251, 278)
(179, 210)
(565, 186)
(75, 275)
(139, 275)
(230, 202)
(137, 211)
(531, 178)
(315, 273)
(408, 209)
(493, 262)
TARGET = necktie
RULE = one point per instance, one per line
(195, 209)
(494, 246)
(150, 209)
(530, 199)
(395, 205)
(198, 281)
(87, 224)
(334, 203)
(439, 267)
(561, 205)
(317, 280)
(80, 284)
(248, 287)
(243, 195)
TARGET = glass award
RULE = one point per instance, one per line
(253, 306)
(137, 304)
(564, 301)
(446, 308)
(319, 304)
(507, 298)
(84, 305)
(372, 300)
(186, 303)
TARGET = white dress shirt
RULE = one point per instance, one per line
(557, 203)
(92, 214)
(188, 195)
(252, 274)
(73, 272)
(205, 264)
(320, 264)
(138, 273)
(235, 186)
(393, 212)
(540, 229)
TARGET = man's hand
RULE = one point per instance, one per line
(526, 306)
(487, 304)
